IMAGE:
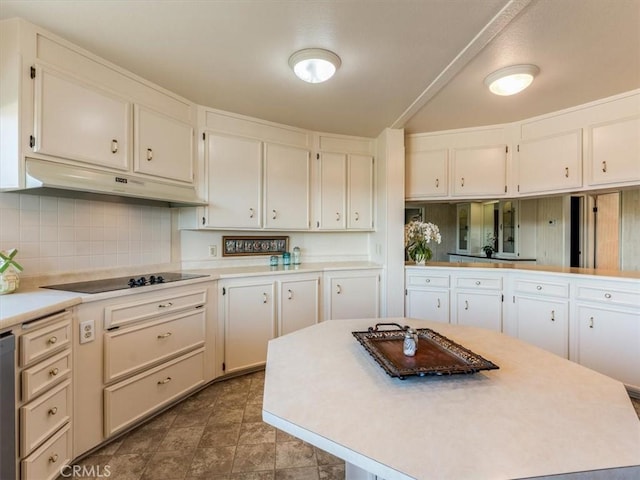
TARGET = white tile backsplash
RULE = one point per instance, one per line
(61, 235)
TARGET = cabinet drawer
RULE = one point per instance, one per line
(43, 375)
(542, 288)
(45, 463)
(133, 348)
(609, 296)
(139, 310)
(132, 399)
(43, 416)
(428, 281)
(479, 283)
(44, 341)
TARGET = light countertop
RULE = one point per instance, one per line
(537, 415)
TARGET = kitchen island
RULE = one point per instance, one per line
(537, 415)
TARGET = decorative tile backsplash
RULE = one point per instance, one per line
(56, 235)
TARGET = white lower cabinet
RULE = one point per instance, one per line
(427, 296)
(478, 301)
(298, 303)
(248, 314)
(352, 294)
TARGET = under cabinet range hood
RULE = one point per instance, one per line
(48, 178)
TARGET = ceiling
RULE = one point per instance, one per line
(414, 64)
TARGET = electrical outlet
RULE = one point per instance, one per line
(213, 251)
(87, 331)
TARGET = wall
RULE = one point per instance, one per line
(57, 235)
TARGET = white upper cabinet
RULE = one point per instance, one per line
(333, 191)
(549, 164)
(360, 192)
(77, 121)
(426, 174)
(234, 174)
(479, 171)
(615, 152)
(286, 187)
(164, 146)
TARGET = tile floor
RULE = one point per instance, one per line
(216, 434)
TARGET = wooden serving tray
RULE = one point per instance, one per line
(436, 354)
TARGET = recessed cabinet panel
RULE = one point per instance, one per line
(615, 152)
(551, 163)
(427, 304)
(299, 304)
(360, 192)
(426, 174)
(286, 187)
(353, 296)
(80, 122)
(480, 309)
(333, 186)
(479, 171)
(163, 146)
(234, 182)
(544, 323)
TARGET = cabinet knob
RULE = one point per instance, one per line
(53, 411)
(290, 295)
(427, 280)
(165, 305)
(149, 154)
(607, 295)
(53, 458)
(52, 340)
(164, 335)
(114, 146)
(251, 213)
(338, 289)
(539, 287)
(166, 380)
(478, 282)
(604, 166)
(54, 371)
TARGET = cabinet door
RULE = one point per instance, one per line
(79, 122)
(249, 324)
(164, 146)
(609, 342)
(360, 192)
(550, 163)
(426, 174)
(544, 323)
(353, 297)
(299, 304)
(427, 305)
(615, 152)
(480, 309)
(333, 187)
(234, 182)
(286, 187)
(479, 171)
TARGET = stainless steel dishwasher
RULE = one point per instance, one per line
(7, 406)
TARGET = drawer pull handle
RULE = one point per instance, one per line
(52, 340)
(165, 381)
(337, 216)
(164, 335)
(466, 305)
(53, 458)
(607, 295)
(338, 289)
(54, 371)
(264, 298)
(553, 315)
(539, 287)
(114, 146)
(427, 280)
(165, 305)
(604, 167)
(357, 216)
(53, 411)
(251, 213)
(437, 183)
(462, 182)
(438, 303)
(149, 154)
(478, 282)
(566, 172)
(290, 296)
(275, 214)
(590, 322)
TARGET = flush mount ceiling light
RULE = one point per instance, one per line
(314, 65)
(511, 80)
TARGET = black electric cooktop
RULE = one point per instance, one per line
(123, 283)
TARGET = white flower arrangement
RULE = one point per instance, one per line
(417, 236)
